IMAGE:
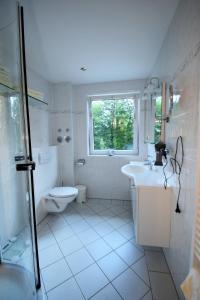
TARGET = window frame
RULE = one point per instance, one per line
(135, 150)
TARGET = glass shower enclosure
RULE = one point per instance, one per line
(19, 266)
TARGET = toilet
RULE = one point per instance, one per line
(58, 198)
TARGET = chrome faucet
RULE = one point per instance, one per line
(151, 164)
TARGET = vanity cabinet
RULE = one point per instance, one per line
(152, 216)
(151, 204)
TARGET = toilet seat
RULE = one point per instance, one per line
(63, 192)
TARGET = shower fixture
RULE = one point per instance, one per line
(67, 139)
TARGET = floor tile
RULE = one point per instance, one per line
(73, 218)
(55, 274)
(127, 215)
(108, 293)
(67, 290)
(129, 253)
(117, 209)
(162, 286)
(127, 204)
(43, 228)
(99, 249)
(148, 296)
(45, 240)
(141, 248)
(56, 222)
(98, 208)
(140, 268)
(116, 222)
(80, 226)
(68, 212)
(88, 236)
(106, 203)
(79, 260)
(107, 214)
(94, 220)
(63, 233)
(85, 210)
(114, 239)
(86, 213)
(42, 290)
(70, 245)
(130, 286)
(112, 265)
(103, 228)
(91, 280)
(156, 261)
(127, 230)
(49, 256)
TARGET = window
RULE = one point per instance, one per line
(113, 124)
(158, 119)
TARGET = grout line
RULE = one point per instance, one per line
(98, 291)
(116, 290)
(170, 275)
(148, 276)
(149, 291)
(148, 285)
(161, 272)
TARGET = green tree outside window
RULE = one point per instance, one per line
(113, 124)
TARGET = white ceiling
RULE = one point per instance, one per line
(114, 39)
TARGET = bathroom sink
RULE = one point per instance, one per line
(131, 169)
(144, 176)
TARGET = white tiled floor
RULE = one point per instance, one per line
(89, 252)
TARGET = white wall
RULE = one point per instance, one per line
(101, 174)
(45, 176)
(179, 62)
(39, 116)
(61, 118)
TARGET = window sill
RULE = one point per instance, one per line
(115, 155)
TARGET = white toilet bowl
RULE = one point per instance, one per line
(58, 198)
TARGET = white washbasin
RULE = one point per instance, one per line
(143, 176)
(131, 169)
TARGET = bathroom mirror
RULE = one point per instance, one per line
(153, 111)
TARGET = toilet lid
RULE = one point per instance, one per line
(62, 192)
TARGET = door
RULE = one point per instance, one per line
(18, 241)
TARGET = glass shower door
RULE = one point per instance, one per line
(19, 268)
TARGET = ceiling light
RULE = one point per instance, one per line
(83, 69)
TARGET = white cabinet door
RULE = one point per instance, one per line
(153, 207)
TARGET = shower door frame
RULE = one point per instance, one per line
(28, 166)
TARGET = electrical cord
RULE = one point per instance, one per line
(176, 169)
(165, 176)
(166, 179)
